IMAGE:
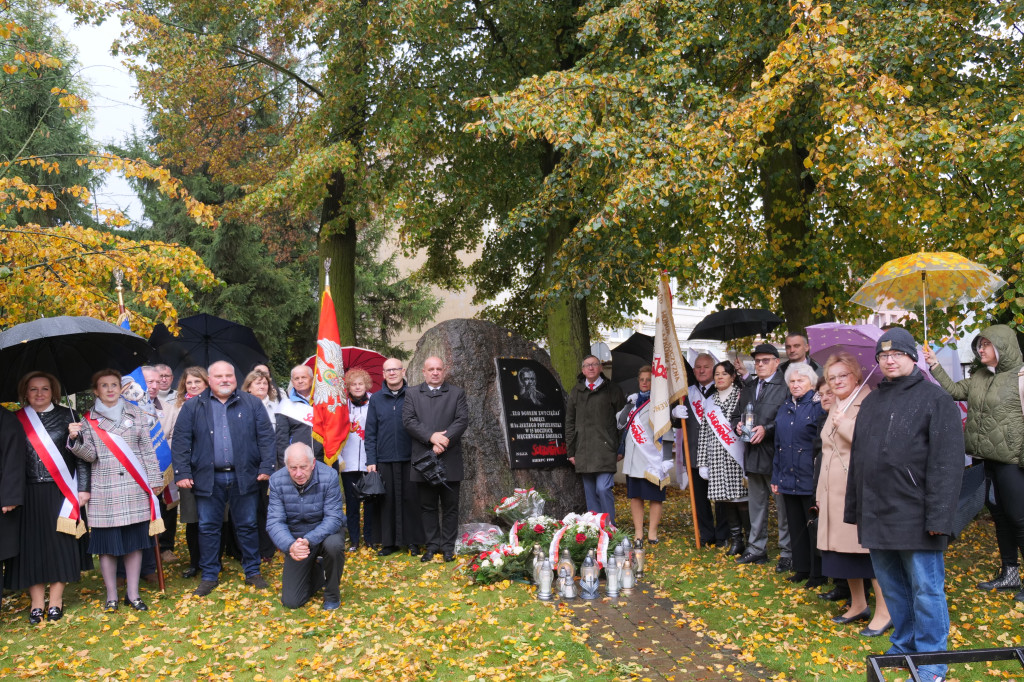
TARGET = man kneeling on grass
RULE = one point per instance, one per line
(305, 520)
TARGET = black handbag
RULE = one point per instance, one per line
(370, 485)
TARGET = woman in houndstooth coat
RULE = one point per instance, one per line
(119, 509)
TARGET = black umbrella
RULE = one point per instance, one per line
(726, 325)
(70, 348)
(205, 339)
(632, 354)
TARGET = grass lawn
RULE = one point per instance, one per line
(403, 620)
(788, 629)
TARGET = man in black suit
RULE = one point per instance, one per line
(766, 393)
(436, 415)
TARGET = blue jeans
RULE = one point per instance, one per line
(598, 490)
(211, 518)
(914, 585)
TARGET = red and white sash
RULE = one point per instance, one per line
(719, 424)
(70, 519)
(130, 461)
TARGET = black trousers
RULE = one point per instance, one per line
(267, 548)
(398, 514)
(440, 537)
(1008, 510)
(371, 536)
(710, 530)
(170, 517)
(803, 538)
(300, 580)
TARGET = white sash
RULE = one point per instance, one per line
(697, 402)
(720, 427)
(70, 519)
(640, 433)
(300, 412)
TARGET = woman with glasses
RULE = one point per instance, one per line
(841, 554)
(194, 381)
(796, 429)
(995, 433)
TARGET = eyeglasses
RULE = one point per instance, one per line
(838, 377)
(592, 364)
(984, 343)
(389, 370)
(895, 355)
(763, 361)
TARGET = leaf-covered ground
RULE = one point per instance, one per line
(403, 620)
(788, 629)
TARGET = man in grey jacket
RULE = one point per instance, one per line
(306, 522)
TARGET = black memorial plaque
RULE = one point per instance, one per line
(533, 410)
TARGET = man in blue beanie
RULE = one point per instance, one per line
(906, 465)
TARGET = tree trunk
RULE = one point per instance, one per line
(567, 323)
(338, 242)
(786, 193)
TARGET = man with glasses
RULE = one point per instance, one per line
(592, 437)
(766, 393)
(906, 465)
(389, 451)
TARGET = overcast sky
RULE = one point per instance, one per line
(112, 101)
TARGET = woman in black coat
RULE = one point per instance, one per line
(47, 555)
(12, 486)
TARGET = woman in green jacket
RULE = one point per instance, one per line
(995, 433)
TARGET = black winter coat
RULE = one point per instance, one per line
(12, 482)
(426, 412)
(386, 437)
(906, 466)
(760, 457)
(591, 433)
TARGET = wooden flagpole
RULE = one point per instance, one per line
(122, 315)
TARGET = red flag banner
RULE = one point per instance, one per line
(330, 408)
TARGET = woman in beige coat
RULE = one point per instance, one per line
(841, 554)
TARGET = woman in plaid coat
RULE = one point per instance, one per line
(120, 510)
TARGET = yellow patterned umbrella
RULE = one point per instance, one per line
(942, 279)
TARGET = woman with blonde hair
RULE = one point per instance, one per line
(841, 553)
(353, 458)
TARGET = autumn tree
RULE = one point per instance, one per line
(49, 263)
(774, 154)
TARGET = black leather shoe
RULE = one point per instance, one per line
(55, 613)
(815, 582)
(352, 548)
(449, 556)
(843, 620)
(136, 604)
(387, 551)
(414, 550)
(428, 556)
(868, 632)
(190, 572)
(35, 616)
(753, 558)
(837, 593)
(784, 565)
(798, 577)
